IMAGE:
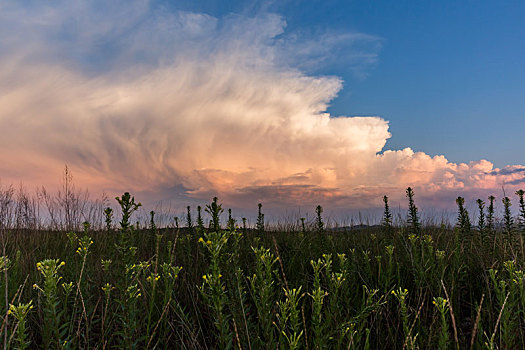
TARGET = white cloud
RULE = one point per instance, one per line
(136, 98)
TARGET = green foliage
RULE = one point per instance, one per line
(231, 221)
(108, 218)
(152, 225)
(413, 218)
(442, 307)
(521, 216)
(200, 222)
(20, 313)
(387, 215)
(319, 220)
(259, 226)
(490, 215)
(262, 288)
(288, 319)
(481, 216)
(215, 210)
(189, 221)
(368, 288)
(48, 268)
(244, 228)
(463, 222)
(318, 295)
(508, 220)
(128, 206)
(213, 287)
(402, 295)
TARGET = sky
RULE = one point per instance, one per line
(290, 103)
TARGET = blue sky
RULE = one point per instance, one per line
(449, 75)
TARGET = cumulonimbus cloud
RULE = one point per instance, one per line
(146, 99)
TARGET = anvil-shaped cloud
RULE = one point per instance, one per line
(137, 97)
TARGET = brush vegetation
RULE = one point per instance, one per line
(117, 284)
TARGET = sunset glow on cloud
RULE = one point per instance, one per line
(145, 100)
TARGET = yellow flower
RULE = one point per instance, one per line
(201, 240)
(208, 242)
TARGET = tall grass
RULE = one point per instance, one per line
(391, 286)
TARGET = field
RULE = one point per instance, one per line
(191, 285)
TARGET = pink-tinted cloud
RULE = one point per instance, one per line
(212, 107)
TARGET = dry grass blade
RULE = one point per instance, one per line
(499, 319)
(478, 316)
(280, 263)
(304, 325)
(451, 315)
(17, 294)
(158, 322)
(236, 334)
(412, 327)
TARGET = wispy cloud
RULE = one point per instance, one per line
(510, 170)
(135, 97)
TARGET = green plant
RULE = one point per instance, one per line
(463, 222)
(521, 215)
(244, 228)
(259, 226)
(289, 321)
(215, 210)
(387, 216)
(490, 215)
(413, 218)
(213, 288)
(129, 309)
(52, 335)
(441, 305)
(189, 222)
(108, 218)
(401, 295)
(152, 225)
(263, 292)
(508, 220)
(200, 222)
(128, 206)
(318, 295)
(144, 299)
(481, 216)
(506, 319)
(169, 273)
(20, 313)
(231, 221)
(388, 276)
(319, 221)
